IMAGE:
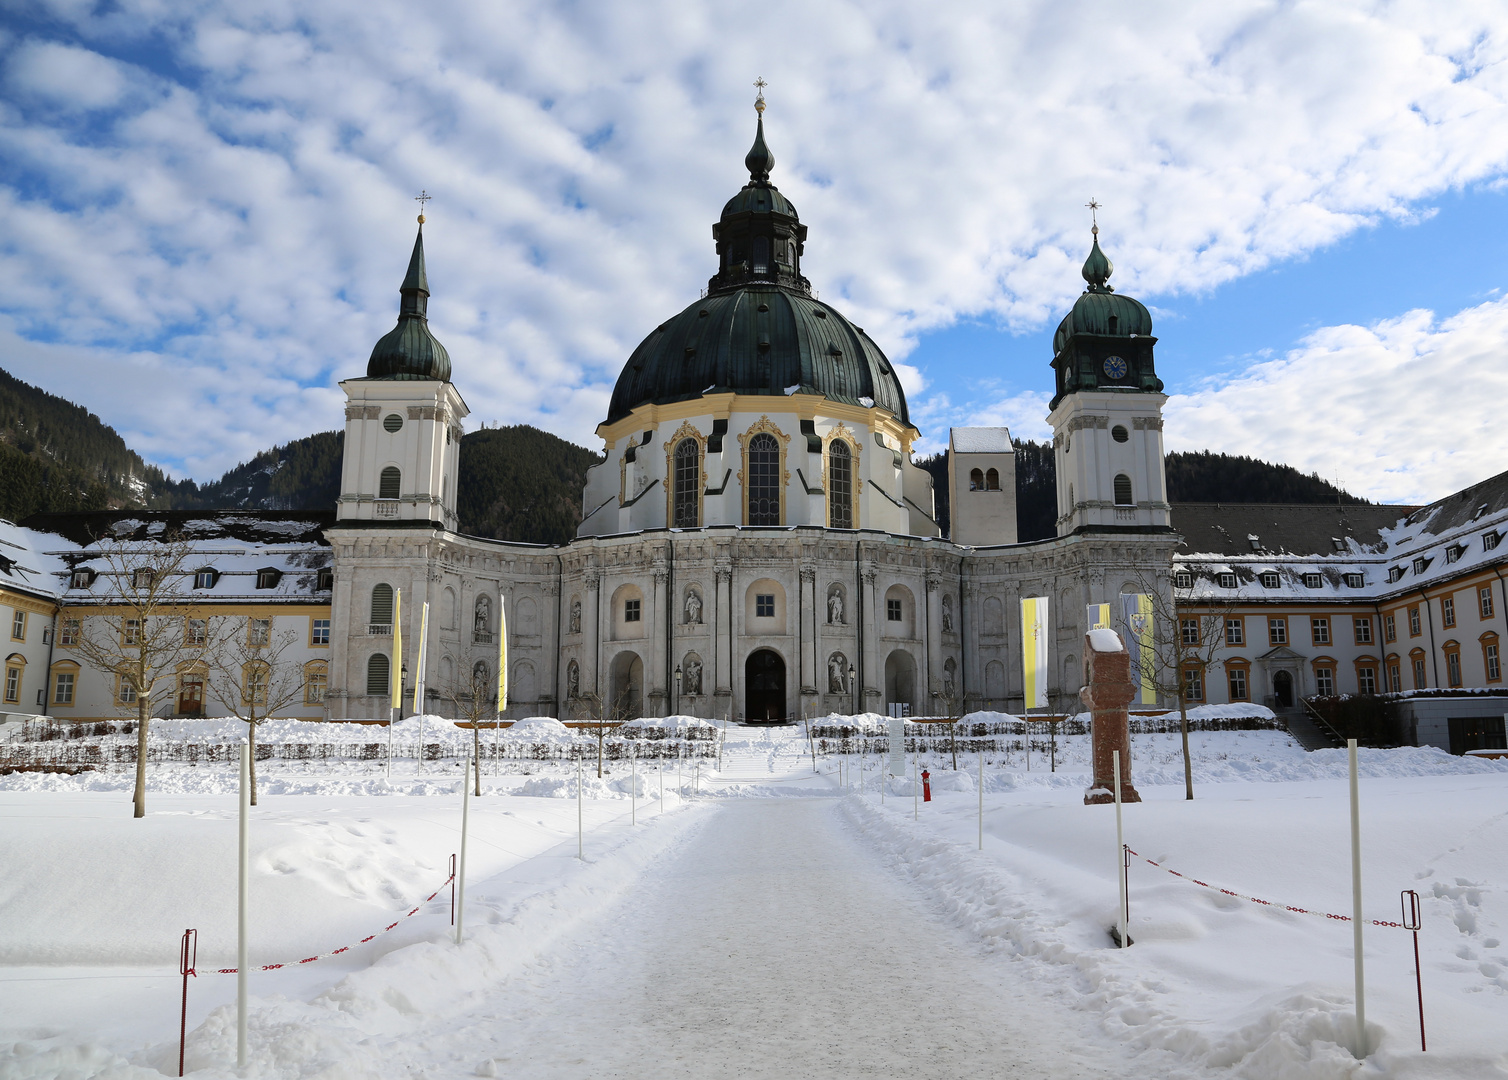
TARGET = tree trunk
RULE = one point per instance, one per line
(476, 755)
(1188, 765)
(601, 735)
(251, 737)
(139, 798)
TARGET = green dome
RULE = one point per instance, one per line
(1101, 310)
(409, 350)
(759, 198)
(757, 339)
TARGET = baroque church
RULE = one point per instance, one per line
(758, 543)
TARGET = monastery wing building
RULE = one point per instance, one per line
(758, 544)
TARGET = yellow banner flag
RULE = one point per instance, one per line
(502, 656)
(1136, 609)
(422, 660)
(1034, 650)
(1099, 617)
(395, 670)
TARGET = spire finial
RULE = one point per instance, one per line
(422, 198)
(759, 161)
(1094, 217)
(1097, 268)
(759, 85)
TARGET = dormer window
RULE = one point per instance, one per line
(1227, 580)
(268, 577)
(81, 578)
(324, 581)
(1420, 564)
(1355, 581)
(1490, 540)
(206, 578)
(1270, 579)
(1313, 581)
(1453, 553)
(1395, 573)
(1183, 580)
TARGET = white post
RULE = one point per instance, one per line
(242, 902)
(1361, 992)
(633, 793)
(981, 800)
(390, 747)
(680, 784)
(580, 827)
(461, 868)
(916, 805)
(698, 788)
(660, 775)
(1120, 851)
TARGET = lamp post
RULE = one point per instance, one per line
(853, 688)
(676, 705)
(403, 682)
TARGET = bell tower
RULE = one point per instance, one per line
(1107, 410)
(403, 420)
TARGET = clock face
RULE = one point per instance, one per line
(1115, 367)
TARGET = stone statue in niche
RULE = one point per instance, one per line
(693, 607)
(947, 615)
(575, 616)
(573, 680)
(691, 680)
(949, 683)
(837, 674)
(835, 608)
(483, 621)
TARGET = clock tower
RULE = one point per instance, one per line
(1107, 411)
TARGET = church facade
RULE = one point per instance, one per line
(757, 542)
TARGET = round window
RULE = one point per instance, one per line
(392, 421)
(1118, 433)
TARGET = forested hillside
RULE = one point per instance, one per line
(516, 483)
(55, 455)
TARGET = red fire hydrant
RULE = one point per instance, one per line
(926, 787)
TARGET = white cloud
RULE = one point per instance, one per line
(1407, 410)
(247, 228)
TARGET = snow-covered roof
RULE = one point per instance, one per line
(980, 440)
(25, 562)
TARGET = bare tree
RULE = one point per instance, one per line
(475, 698)
(1184, 647)
(254, 676)
(147, 631)
(597, 721)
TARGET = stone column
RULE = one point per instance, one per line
(654, 656)
(1107, 691)
(808, 614)
(932, 677)
(873, 697)
(722, 633)
(591, 633)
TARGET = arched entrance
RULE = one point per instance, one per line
(764, 686)
(1282, 689)
(900, 679)
(627, 688)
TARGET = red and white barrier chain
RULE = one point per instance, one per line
(345, 948)
(1256, 900)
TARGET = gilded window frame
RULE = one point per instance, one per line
(764, 425)
(682, 433)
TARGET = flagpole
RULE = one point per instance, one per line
(502, 679)
(395, 672)
(419, 671)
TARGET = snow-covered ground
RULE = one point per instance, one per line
(809, 935)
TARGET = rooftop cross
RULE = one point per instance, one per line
(1093, 217)
(760, 84)
(422, 198)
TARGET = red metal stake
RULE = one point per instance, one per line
(452, 889)
(1411, 921)
(188, 956)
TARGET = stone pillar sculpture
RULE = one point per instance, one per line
(1107, 691)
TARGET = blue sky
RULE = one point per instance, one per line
(207, 208)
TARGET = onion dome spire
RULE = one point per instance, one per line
(759, 161)
(1098, 267)
(409, 350)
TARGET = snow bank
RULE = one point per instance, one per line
(1104, 640)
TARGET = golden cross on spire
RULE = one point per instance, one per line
(760, 84)
(422, 198)
(1093, 217)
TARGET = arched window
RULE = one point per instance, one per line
(687, 481)
(387, 486)
(992, 480)
(377, 675)
(764, 480)
(840, 485)
(761, 254)
(790, 254)
(382, 605)
(1123, 490)
(976, 480)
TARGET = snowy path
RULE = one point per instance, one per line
(773, 943)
